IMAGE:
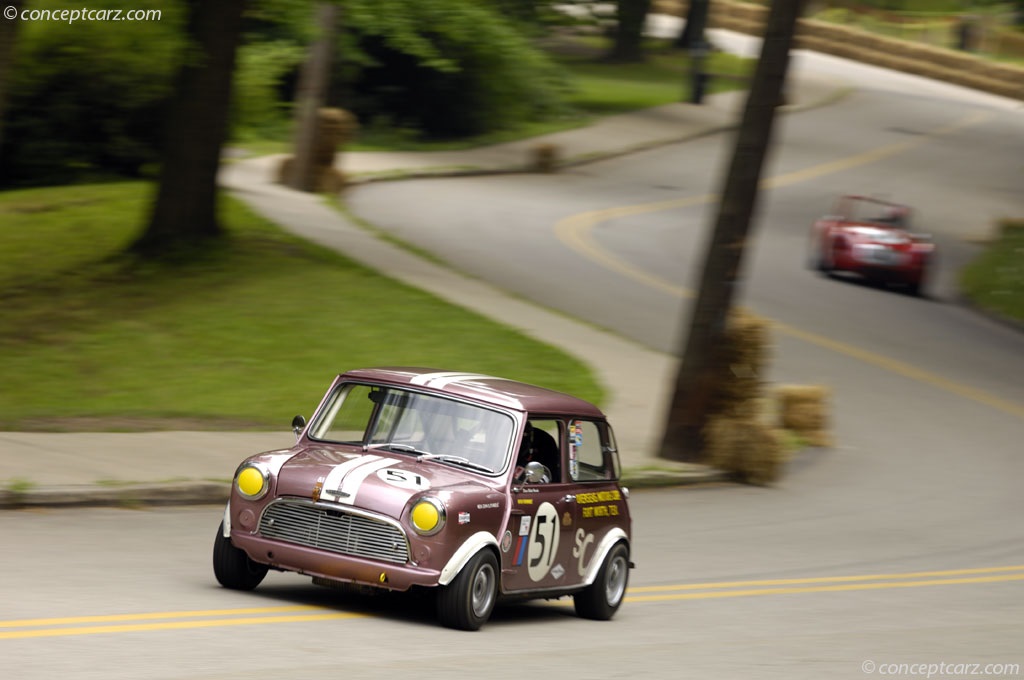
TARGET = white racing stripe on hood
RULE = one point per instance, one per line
(353, 480)
(344, 480)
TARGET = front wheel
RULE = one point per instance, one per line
(601, 599)
(232, 566)
(467, 602)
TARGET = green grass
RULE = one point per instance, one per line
(995, 280)
(599, 88)
(244, 335)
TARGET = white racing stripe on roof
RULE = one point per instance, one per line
(441, 380)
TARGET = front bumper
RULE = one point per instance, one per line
(344, 568)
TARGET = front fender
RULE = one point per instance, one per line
(227, 521)
(470, 547)
(610, 539)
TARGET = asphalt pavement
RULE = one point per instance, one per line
(42, 470)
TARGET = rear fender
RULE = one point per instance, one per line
(610, 539)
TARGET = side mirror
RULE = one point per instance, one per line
(298, 425)
(537, 473)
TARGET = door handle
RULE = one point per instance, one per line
(569, 498)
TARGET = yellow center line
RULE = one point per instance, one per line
(109, 618)
(829, 579)
(173, 625)
(151, 621)
(823, 588)
(575, 232)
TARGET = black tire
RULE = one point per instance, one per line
(467, 602)
(232, 566)
(601, 599)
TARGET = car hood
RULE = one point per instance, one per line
(377, 481)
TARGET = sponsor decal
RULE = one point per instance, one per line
(524, 526)
(520, 551)
(487, 506)
(567, 519)
(506, 542)
(463, 518)
(589, 502)
(579, 551)
(558, 571)
(524, 501)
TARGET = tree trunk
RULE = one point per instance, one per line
(185, 211)
(692, 34)
(8, 38)
(631, 17)
(312, 92)
(700, 366)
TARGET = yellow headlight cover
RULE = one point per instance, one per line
(251, 482)
(426, 517)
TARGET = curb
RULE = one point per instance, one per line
(357, 179)
(216, 493)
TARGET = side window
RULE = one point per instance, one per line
(541, 444)
(586, 454)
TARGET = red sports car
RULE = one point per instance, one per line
(474, 487)
(872, 238)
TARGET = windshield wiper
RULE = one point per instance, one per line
(395, 446)
(456, 460)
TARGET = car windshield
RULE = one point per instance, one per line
(872, 211)
(424, 425)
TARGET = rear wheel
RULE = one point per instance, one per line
(467, 602)
(601, 599)
(232, 566)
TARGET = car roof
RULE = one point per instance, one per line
(478, 387)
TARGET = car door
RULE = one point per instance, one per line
(541, 528)
(599, 505)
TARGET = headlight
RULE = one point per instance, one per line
(252, 481)
(427, 516)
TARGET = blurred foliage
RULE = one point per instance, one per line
(447, 68)
(86, 97)
(260, 106)
(995, 279)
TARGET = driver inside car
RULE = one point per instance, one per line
(538, 447)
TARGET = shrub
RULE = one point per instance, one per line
(86, 98)
(447, 68)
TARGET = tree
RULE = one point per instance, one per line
(701, 363)
(692, 34)
(8, 37)
(185, 210)
(631, 17)
(311, 96)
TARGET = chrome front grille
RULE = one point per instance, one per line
(336, 530)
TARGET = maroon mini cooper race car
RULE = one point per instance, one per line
(478, 487)
(872, 238)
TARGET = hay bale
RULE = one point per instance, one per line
(335, 127)
(803, 409)
(745, 353)
(745, 448)
(544, 157)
